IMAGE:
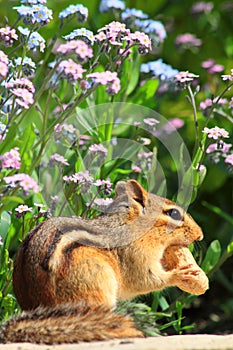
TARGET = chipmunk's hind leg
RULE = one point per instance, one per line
(88, 274)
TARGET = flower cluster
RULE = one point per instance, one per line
(211, 66)
(80, 177)
(79, 12)
(4, 61)
(83, 34)
(100, 149)
(106, 5)
(219, 150)
(187, 41)
(228, 77)
(36, 13)
(27, 64)
(185, 77)
(25, 181)
(207, 103)
(8, 35)
(11, 159)
(57, 159)
(23, 89)
(116, 33)
(201, 7)
(159, 69)
(78, 47)
(216, 133)
(34, 39)
(71, 70)
(110, 79)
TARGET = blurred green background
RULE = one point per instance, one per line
(213, 311)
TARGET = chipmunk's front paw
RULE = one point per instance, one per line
(185, 273)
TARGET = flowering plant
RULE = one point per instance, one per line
(78, 114)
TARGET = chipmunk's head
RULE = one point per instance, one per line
(168, 220)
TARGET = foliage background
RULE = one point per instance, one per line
(213, 311)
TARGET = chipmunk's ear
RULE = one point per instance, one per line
(133, 190)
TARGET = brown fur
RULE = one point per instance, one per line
(96, 262)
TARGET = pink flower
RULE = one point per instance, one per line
(80, 177)
(23, 209)
(185, 77)
(229, 159)
(20, 83)
(188, 39)
(228, 77)
(220, 147)
(82, 50)
(26, 97)
(3, 69)
(151, 121)
(136, 168)
(8, 35)
(103, 77)
(25, 181)
(98, 149)
(212, 67)
(4, 57)
(216, 133)
(72, 69)
(11, 159)
(103, 201)
(59, 159)
(106, 183)
(202, 6)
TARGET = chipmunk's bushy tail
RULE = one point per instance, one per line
(67, 324)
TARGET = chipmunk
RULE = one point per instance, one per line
(70, 272)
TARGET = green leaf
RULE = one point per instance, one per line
(145, 94)
(230, 247)
(4, 224)
(212, 256)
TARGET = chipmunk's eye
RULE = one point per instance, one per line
(175, 214)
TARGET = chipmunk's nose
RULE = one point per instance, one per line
(199, 235)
